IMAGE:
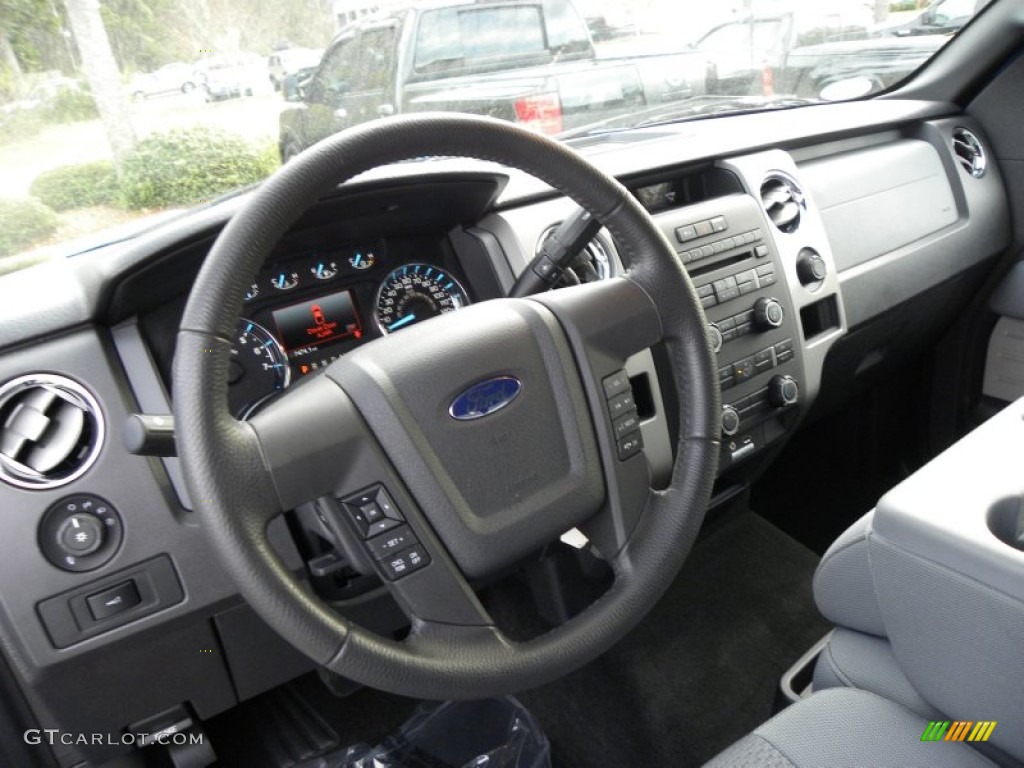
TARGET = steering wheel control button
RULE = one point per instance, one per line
(405, 562)
(80, 532)
(382, 525)
(372, 511)
(624, 425)
(387, 544)
(621, 405)
(615, 384)
(730, 421)
(630, 445)
(113, 601)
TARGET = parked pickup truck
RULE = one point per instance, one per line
(528, 61)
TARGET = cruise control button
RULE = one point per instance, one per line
(405, 562)
(615, 384)
(382, 525)
(630, 445)
(389, 543)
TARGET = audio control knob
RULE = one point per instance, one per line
(783, 391)
(768, 314)
(716, 337)
(730, 421)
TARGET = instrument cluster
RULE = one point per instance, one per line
(305, 310)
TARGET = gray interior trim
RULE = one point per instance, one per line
(943, 512)
(1004, 363)
(876, 200)
(1008, 298)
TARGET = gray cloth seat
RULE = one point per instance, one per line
(846, 728)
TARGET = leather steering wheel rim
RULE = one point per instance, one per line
(226, 462)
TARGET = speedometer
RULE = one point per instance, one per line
(415, 292)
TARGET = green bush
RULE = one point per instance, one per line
(20, 124)
(189, 166)
(70, 105)
(77, 186)
(23, 223)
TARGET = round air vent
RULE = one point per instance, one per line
(51, 431)
(590, 265)
(969, 152)
(783, 202)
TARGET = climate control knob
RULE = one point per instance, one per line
(783, 391)
(730, 421)
(768, 314)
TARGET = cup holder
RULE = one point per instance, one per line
(1006, 521)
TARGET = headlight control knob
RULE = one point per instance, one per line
(80, 535)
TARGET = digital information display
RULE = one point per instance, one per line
(317, 321)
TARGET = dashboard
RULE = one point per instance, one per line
(814, 271)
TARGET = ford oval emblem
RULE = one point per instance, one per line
(485, 398)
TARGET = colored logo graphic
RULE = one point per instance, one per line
(958, 730)
(484, 398)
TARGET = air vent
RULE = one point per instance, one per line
(969, 152)
(589, 266)
(783, 202)
(51, 431)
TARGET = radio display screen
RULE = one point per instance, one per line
(317, 321)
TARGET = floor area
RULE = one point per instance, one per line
(698, 673)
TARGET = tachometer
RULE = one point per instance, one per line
(415, 292)
(258, 368)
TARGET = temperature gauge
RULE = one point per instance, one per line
(285, 280)
(362, 259)
(324, 270)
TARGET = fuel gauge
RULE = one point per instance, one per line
(284, 280)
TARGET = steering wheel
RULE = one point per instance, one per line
(477, 437)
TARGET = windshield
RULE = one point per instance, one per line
(112, 113)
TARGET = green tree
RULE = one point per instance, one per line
(103, 76)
